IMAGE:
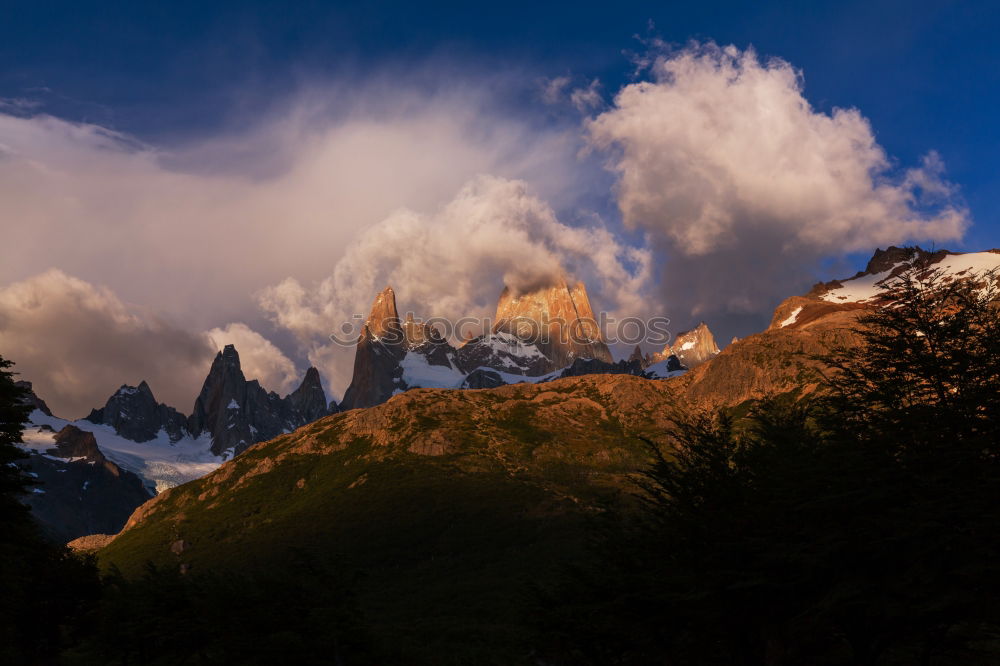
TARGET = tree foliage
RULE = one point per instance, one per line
(13, 415)
(858, 527)
(303, 613)
(44, 588)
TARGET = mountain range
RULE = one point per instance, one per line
(536, 336)
(133, 447)
(151, 446)
(441, 497)
(541, 395)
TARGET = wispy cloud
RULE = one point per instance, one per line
(453, 262)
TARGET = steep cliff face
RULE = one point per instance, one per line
(308, 403)
(33, 399)
(535, 335)
(381, 346)
(134, 414)
(79, 491)
(692, 348)
(221, 408)
(394, 355)
(238, 413)
(558, 320)
(778, 360)
(695, 347)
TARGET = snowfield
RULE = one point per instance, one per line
(160, 463)
(660, 371)
(791, 318)
(866, 287)
(418, 372)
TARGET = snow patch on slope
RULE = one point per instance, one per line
(661, 371)
(866, 287)
(512, 378)
(791, 318)
(417, 372)
(159, 462)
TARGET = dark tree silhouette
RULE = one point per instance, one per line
(44, 588)
(858, 527)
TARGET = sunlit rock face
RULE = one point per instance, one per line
(557, 319)
(393, 355)
(79, 491)
(692, 347)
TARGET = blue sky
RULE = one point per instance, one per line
(147, 116)
(927, 74)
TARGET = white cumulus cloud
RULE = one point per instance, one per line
(259, 358)
(743, 184)
(78, 343)
(453, 263)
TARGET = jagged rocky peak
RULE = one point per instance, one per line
(557, 319)
(220, 405)
(71, 442)
(308, 402)
(385, 345)
(696, 346)
(638, 357)
(383, 322)
(238, 413)
(692, 348)
(417, 334)
(539, 334)
(874, 285)
(377, 356)
(135, 414)
(504, 352)
(892, 256)
(31, 398)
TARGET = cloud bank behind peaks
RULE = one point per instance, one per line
(78, 343)
(259, 358)
(453, 263)
(724, 162)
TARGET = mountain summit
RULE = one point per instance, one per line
(557, 319)
(134, 414)
(384, 346)
(238, 413)
(234, 412)
(536, 335)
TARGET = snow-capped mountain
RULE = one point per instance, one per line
(163, 447)
(868, 285)
(79, 490)
(237, 413)
(538, 336)
(232, 412)
(692, 347)
(160, 462)
(502, 351)
(134, 414)
(95, 471)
